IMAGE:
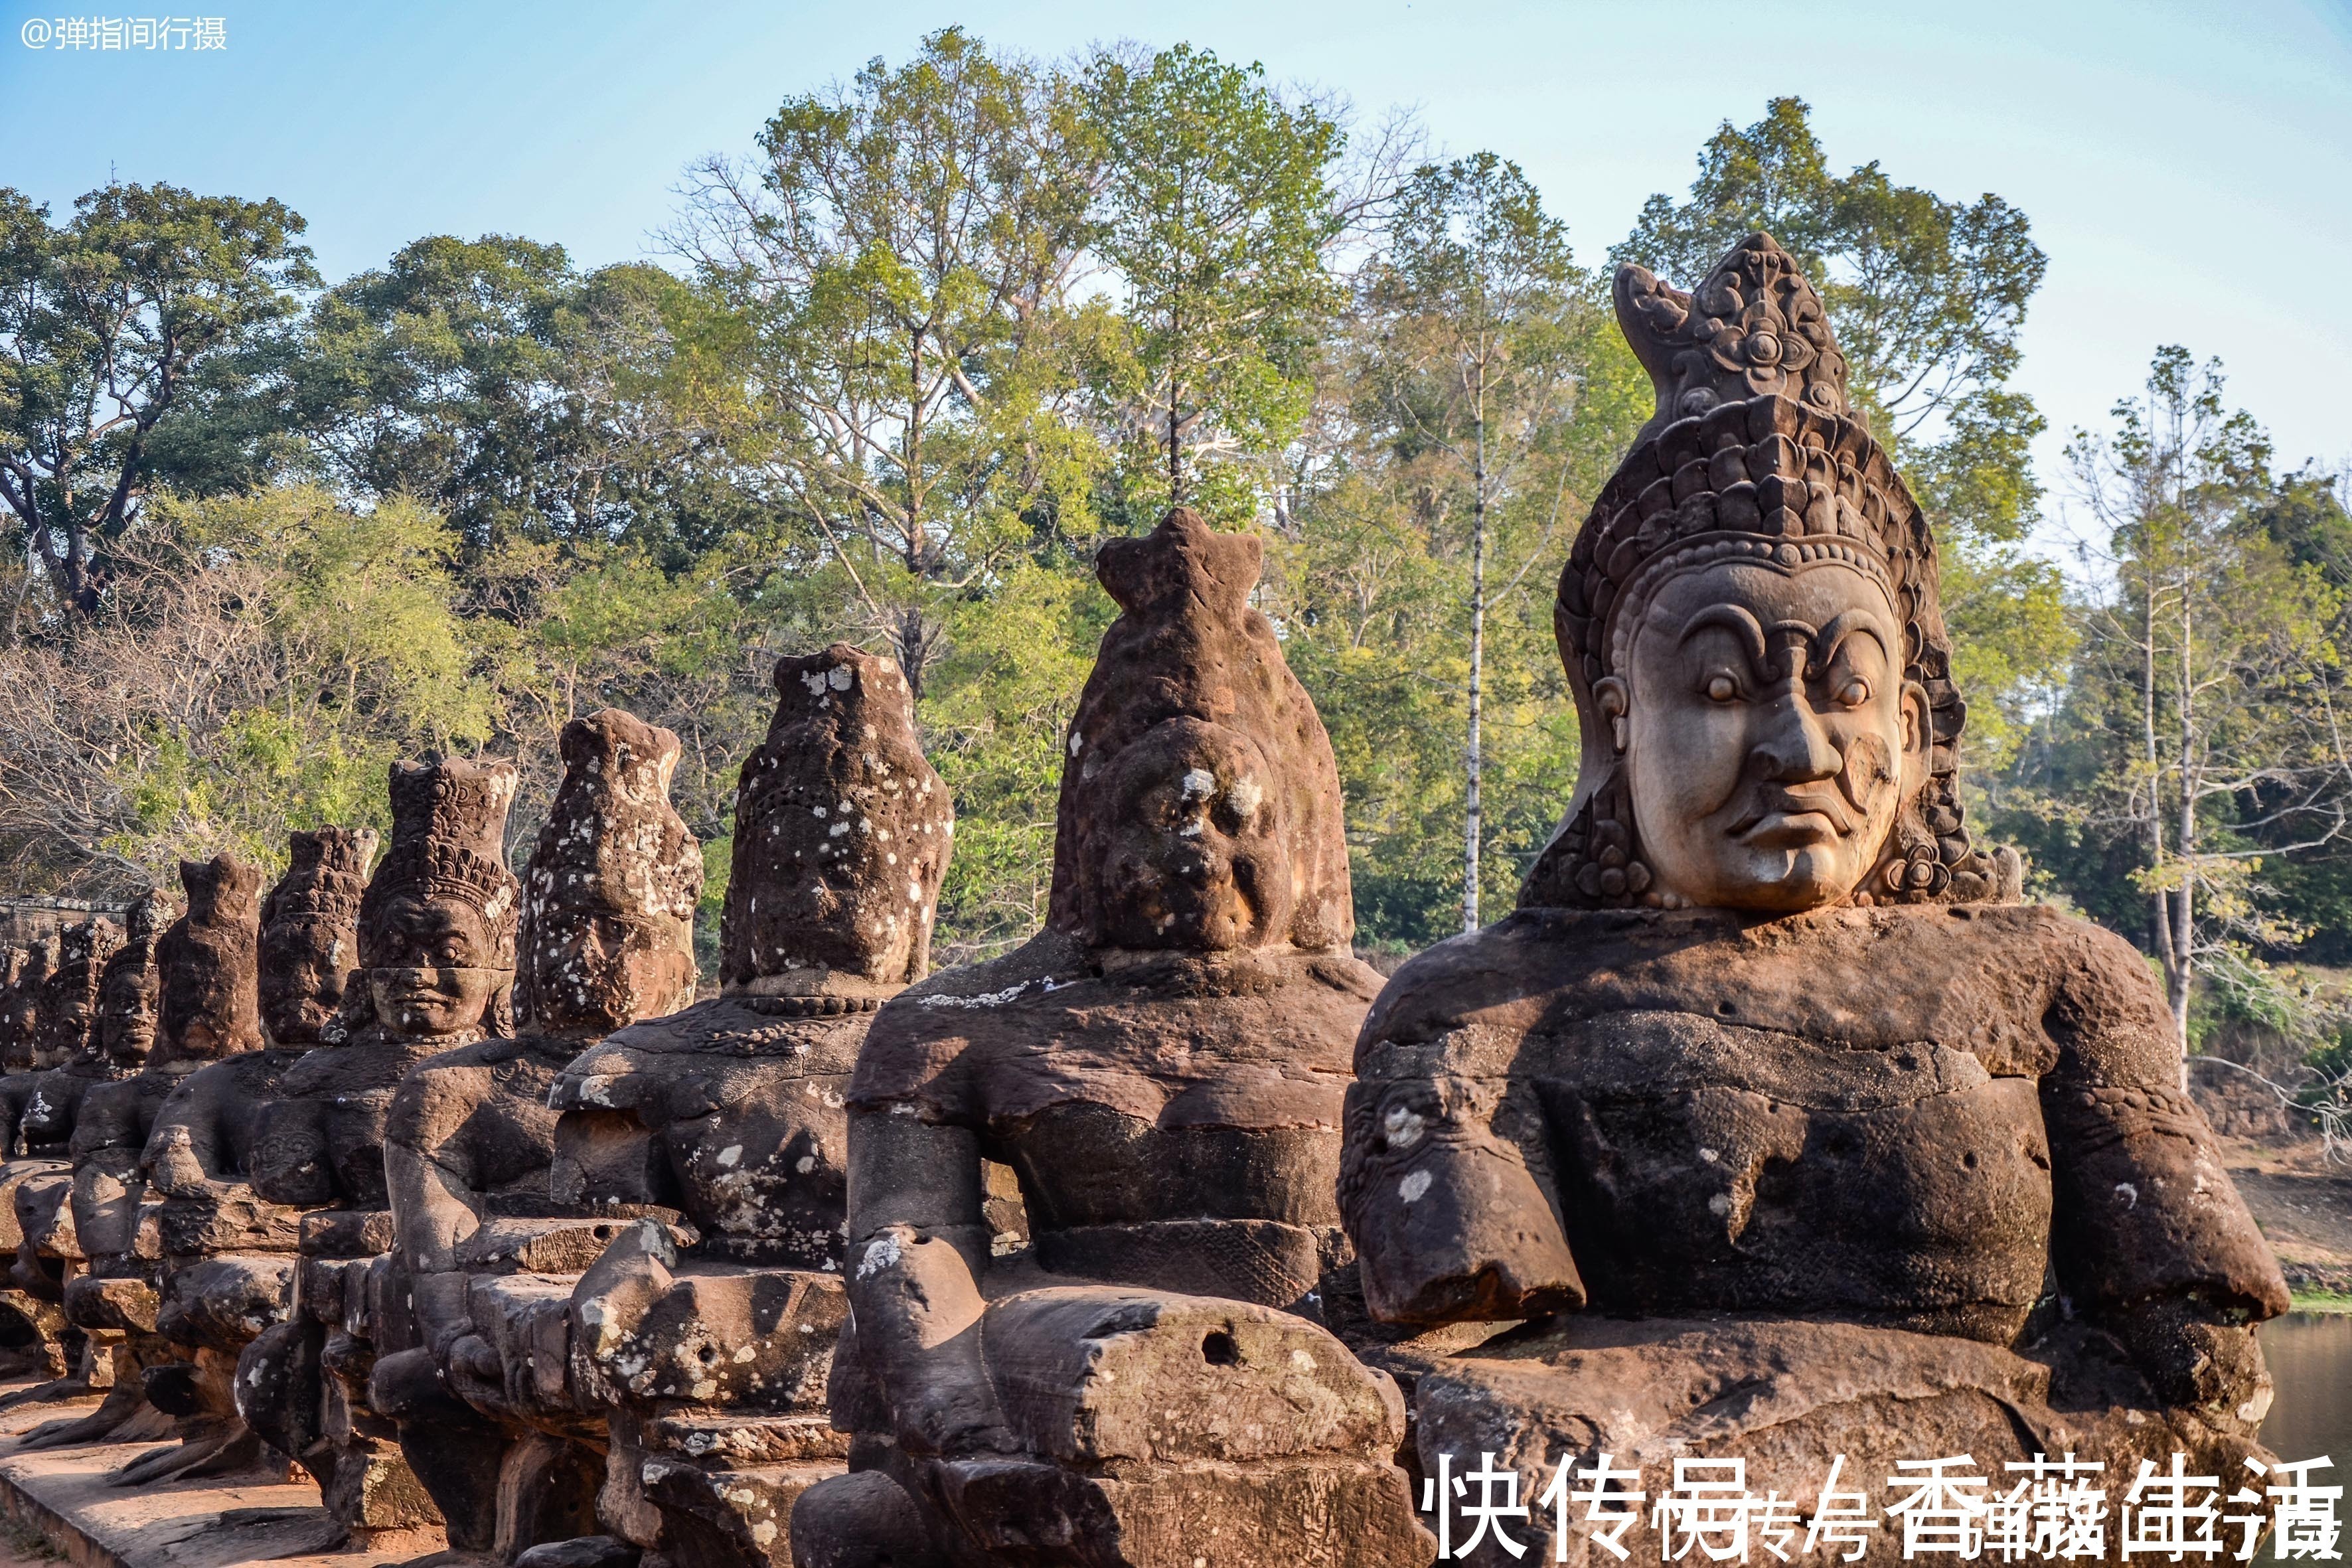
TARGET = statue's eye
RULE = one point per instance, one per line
(1854, 692)
(1722, 689)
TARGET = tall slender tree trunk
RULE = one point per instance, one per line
(1473, 749)
(2184, 953)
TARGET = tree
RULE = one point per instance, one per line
(1473, 300)
(1927, 297)
(256, 664)
(1216, 212)
(898, 260)
(2210, 681)
(141, 303)
(489, 380)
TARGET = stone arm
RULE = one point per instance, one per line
(2148, 1234)
(435, 1203)
(918, 1244)
(1452, 1219)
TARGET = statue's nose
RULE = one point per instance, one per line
(1794, 746)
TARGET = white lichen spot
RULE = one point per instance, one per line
(883, 1253)
(1404, 1126)
(1719, 1205)
(729, 1154)
(1414, 1184)
(2129, 1193)
(1709, 1155)
(1246, 796)
(838, 678)
(1199, 784)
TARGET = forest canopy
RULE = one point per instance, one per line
(936, 332)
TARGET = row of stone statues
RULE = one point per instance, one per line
(1772, 1125)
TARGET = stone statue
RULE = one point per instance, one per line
(35, 1186)
(29, 1326)
(1790, 1130)
(41, 1109)
(69, 1004)
(708, 1359)
(44, 1104)
(16, 1005)
(20, 1024)
(607, 937)
(1162, 1067)
(200, 991)
(436, 952)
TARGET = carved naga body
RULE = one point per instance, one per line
(1797, 1133)
(1162, 1067)
(485, 1261)
(708, 1361)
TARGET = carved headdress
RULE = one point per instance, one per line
(1188, 672)
(842, 833)
(1756, 454)
(448, 841)
(607, 930)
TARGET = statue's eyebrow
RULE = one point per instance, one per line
(1842, 625)
(1734, 620)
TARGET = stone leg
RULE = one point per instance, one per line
(458, 1455)
(210, 1311)
(375, 1491)
(865, 1520)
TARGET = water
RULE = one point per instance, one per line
(2310, 1357)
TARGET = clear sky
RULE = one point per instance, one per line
(2186, 166)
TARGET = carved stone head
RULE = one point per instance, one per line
(1750, 623)
(607, 933)
(437, 921)
(310, 932)
(69, 1023)
(20, 1029)
(209, 958)
(1199, 806)
(842, 833)
(129, 992)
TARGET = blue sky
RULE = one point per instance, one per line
(2188, 166)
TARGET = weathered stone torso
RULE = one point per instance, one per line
(1173, 1119)
(1908, 1115)
(730, 1113)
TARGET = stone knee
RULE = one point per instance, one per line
(863, 1520)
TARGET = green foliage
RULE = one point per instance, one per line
(150, 301)
(1216, 213)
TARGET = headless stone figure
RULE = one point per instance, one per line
(485, 1261)
(708, 1361)
(437, 943)
(202, 986)
(1163, 1066)
(1794, 1134)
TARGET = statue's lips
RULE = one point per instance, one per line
(1782, 817)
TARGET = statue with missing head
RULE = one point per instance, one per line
(1790, 1129)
